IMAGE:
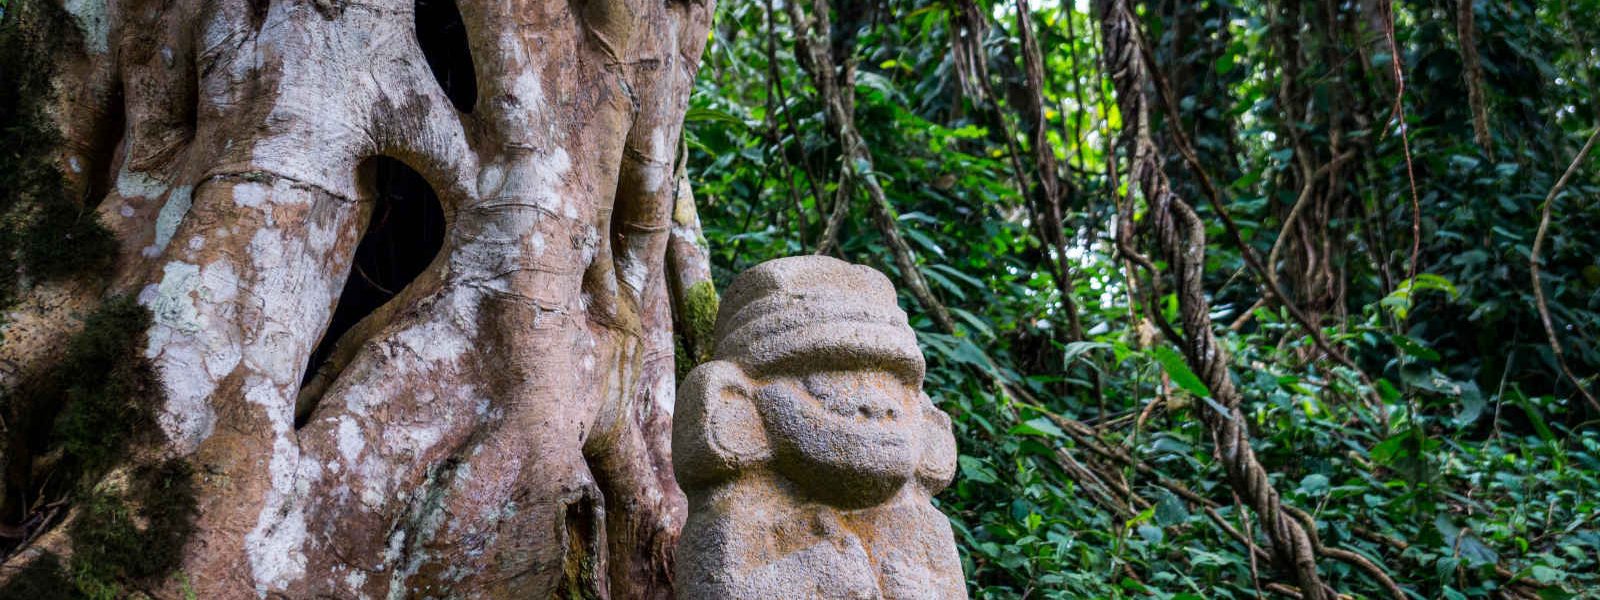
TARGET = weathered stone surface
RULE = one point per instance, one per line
(807, 449)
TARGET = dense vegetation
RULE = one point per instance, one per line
(1398, 266)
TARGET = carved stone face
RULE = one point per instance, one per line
(848, 438)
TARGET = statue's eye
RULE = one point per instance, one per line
(818, 386)
(836, 391)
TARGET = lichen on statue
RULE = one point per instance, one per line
(807, 448)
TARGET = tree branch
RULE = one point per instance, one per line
(1533, 268)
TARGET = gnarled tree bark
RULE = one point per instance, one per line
(500, 427)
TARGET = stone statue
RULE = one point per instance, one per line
(807, 449)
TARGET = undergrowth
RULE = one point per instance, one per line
(130, 518)
(75, 428)
(44, 233)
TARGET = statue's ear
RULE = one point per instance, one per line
(716, 431)
(938, 464)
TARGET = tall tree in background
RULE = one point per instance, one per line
(254, 376)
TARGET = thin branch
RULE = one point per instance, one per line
(1533, 267)
(812, 45)
(1472, 73)
(1295, 212)
(1398, 115)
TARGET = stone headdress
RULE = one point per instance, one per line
(817, 311)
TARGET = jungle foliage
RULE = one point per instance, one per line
(1377, 182)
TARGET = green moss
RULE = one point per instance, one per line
(102, 536)
(99, 402)
(692, 344)
(99, 396)
(63, 240)
(107, 394)
(110, 546)
(680, 358)
(43, 231)
(700, 315)
(102, 414)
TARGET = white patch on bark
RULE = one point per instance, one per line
(656, 169)
(435, 342)
(139, 184)
(490, 181)
(354, 580)
(396, 549)
(634, 273)
(289, 296)
(172, 213)
(173, 305)
(351, 442)
(93, 20)
(315, 126)
(536, 243)
(219, 285)
(192, 348)
(276, 546)
(529, 90)
(665, 396)
(374, 473)
(187, 418)
(538, 179)
(237, 58)
(250, 194)
(320, 238)
(426, 519)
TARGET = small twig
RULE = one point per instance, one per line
(1284, 589)
(1247, 315)
(368, 278)
(1244, 520)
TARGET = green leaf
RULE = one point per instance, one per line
(1225, 64)
(1180, 373)
(956, 273)
(945, 283)
(1071, 351)
(923, 239)
(711, 114)
(974, 469)
(1038, 426)
(1170, 510)
(1389, 449)
(1387, 391)
(1151, 533)
(1315, 484)
(1142, 517)
(1414, 348)
(1547, 575)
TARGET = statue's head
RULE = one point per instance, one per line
(817, 377)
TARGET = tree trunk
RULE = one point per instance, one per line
(497, 428)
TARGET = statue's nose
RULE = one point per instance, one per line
(877, 410)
